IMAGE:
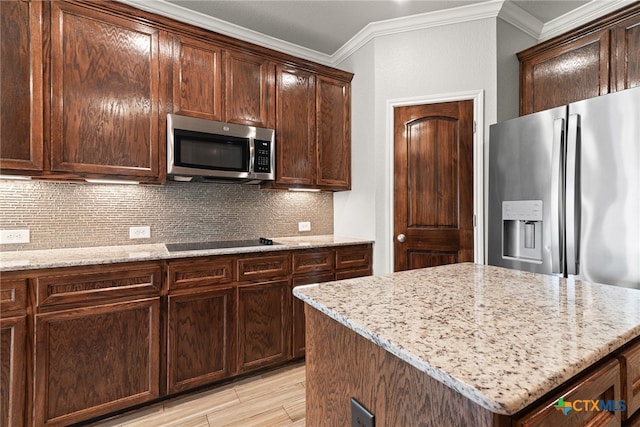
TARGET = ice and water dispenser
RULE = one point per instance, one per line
(522, 230)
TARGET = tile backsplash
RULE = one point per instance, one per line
(64, 215)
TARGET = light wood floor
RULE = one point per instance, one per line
(275, 398)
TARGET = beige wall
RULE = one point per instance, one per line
(78, 215)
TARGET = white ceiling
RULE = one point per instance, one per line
(318, 30)
(325, 26)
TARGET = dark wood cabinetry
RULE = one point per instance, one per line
(313, 132)
(333, 134)
(106, 94)
(92, 82)
(21, 80)
(82, 342)
(597, 58)
(201, 322)
(97, 341)
(249, 89)
(630, 362)
(197, 78)
(13, 351)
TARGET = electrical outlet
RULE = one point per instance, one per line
(14, 236)
(304, 226)
(360, 417)
(140, 232)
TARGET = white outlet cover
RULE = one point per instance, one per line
(143, 232)
(304, 226)
(14, 236)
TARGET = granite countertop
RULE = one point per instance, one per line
(52, 258)
(502, 338)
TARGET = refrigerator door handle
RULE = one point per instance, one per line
(572, 194)
(557, 162)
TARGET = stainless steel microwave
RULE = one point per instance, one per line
(207, 150)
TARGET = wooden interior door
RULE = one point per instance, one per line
(433, 190)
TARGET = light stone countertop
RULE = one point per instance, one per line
(502, 338)
(53, 258)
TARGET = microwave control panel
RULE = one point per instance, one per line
(262, 161)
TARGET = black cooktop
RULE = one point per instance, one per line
(221, 244)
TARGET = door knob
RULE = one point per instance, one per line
(401, 238)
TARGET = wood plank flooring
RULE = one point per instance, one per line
(274, 398)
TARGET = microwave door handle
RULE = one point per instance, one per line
(556, 208)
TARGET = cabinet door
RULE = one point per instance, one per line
(106, 93)
(333, 121)
(298, 334)
(570, 72)
(197, 78)
(626, 62)
(201, 344)
(21, 92)
(295, 127)
(264, 324)
(601, 384)
(92, 361)
(12, 371)
(630, 359)
(249, 84)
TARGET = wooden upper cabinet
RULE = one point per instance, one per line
(106, 93)
(313, 130)
(21, 80)
(295, 127)
(197, 78)
(572, 72)
(249, 89)
(333, 121)
(626, 64)
(597, 58)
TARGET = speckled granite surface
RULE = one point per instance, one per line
(502, 338)
(52, 258)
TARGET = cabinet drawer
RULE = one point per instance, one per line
(353, 257)
(84, 287)
(189, 274)
(601, 384)
(13, 296)
(264, 267)
(630, 359)
(313, 261)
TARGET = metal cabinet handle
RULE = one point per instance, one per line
(401, 238)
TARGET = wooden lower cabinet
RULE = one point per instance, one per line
(13, 350)
(298, 347)
(12, 371)
(630, 361)
(94, 360)
(264, 319)
(201, 342)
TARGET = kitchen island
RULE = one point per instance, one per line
(469, 344)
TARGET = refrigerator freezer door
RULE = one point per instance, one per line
(526, 171)
(606, 218)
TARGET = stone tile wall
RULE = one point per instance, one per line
(61, 215)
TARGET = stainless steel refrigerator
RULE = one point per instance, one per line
(564, 191)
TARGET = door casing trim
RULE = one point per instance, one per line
(477, 96)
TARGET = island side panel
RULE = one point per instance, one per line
(341, 364)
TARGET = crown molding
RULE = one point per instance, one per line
(580, 16)
(521, 19)
(179, 13)
(489, 9)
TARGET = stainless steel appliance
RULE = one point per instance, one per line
(564, 191)
(219, 244)
(206, 150)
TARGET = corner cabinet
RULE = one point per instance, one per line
(313, 130)
(106, 94)
(600, 57)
